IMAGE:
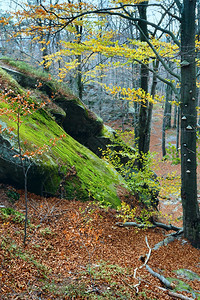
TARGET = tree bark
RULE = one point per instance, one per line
(163, 137)
(175, 116)
(144, 77)
(178, 130)
(150, 106)
(168, 107)
(191, 215)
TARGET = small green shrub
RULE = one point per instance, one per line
(46, 232)
(125, 160)
(10, 213)
(12, 195)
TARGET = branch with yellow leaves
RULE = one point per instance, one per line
(115, 11)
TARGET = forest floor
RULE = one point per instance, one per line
(75, 250)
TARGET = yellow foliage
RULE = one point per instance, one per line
(170, 185)
(133, 95)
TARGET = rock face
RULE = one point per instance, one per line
(69, 112)
(65, 167)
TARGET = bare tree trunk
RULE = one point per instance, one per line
(79, 78)
(168, 107)
(144, 78)
(191, 215)
(175, 116)
(150, 106)
(164, 137)
(178, 129)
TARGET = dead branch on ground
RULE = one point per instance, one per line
(166, 282)
(146, 260)
(178, 230)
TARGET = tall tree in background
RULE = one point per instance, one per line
(143, 136)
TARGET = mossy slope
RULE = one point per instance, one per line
(76, 119)
(68, 168)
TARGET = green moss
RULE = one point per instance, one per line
(7, 80)
(24, 67)
(92, 177)
(51, 171)
(38, 73)
(107, 132)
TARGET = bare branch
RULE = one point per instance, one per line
(160, 277)
(167, 227)
(134, 224)
(179, 5)
(144, 264)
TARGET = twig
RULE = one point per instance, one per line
(146, 260)
(130, 287)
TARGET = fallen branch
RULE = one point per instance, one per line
(172, 294)
(178, 230)
(167, 227)
(177, 233)
(165, 242)
(160, 277)
(146, 260)
(134, 224)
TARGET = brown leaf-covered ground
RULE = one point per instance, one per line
(74, 250)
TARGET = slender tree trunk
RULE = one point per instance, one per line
(168, 107)
(163, 137)
(79, 78)
(144, 77)
(166, 118)
(178, 129)
(198, 54)
(150, 106)
(79, 32)
(191, 215)
(175, 116)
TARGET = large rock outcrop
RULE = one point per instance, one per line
(65, 168)
(69, 112)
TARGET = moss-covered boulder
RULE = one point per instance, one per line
(56, 163)
(69, 112)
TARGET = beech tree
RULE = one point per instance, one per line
(191, 214)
